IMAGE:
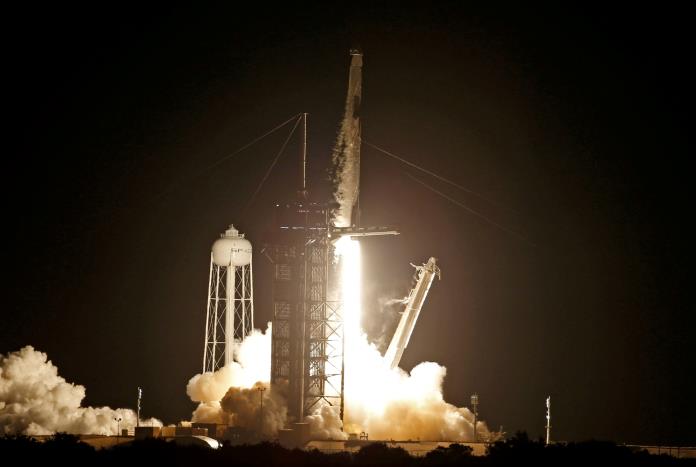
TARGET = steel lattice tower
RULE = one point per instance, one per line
(307, 344)
(230, 310)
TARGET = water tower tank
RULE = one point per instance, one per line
(232, 249)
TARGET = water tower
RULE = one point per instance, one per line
(230, 312)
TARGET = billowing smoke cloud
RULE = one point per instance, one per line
(325, 423)
(35, 400)
(231, 394)
(210, 412)
(393, 404)
(243, 408)
(384, 402)
(252, 364)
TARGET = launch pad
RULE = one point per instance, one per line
(316, 337)
(307, 353)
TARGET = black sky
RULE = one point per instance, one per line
(573, 119)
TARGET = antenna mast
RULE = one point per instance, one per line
(474, 405)
(548, 420)
(140, 397)
(303, 191)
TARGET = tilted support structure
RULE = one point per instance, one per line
(362, 231)
(415, 300)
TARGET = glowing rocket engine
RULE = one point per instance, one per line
(415, 300)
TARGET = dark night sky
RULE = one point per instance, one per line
(574, 120)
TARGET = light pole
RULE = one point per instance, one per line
(261, 390)
(140, 396)
(548, 420)
(118, 429)
(474, 404)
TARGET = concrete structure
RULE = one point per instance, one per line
(297, 436)
(142, 432)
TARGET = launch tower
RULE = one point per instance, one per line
(307, 345)
(308, 328)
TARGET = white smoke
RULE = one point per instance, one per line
(231, 394)
(243, 408)
(35, 400)
(390, 403)
(325, 423)
(252, 365)
(384, 402)
(393, 404)
(210, 412)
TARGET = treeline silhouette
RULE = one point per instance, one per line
(517, 451)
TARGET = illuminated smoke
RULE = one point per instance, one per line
(391, 403)
(384, 402)
(399, 405)
(252, 365)
(325, 423)
(35, 400)
(243, 408)
(231, 394)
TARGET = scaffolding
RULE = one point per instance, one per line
(307, 339)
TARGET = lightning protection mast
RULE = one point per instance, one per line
(548, 420)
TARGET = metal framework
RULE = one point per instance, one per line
(230, 312)
(548, 420)
(307, 343)
(426, 273)
(324, 331)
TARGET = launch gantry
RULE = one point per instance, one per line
(414, 303)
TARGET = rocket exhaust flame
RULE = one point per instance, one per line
(386, 401)
(380, 398)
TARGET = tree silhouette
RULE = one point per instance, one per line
(518, 450)
(381, 454)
